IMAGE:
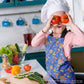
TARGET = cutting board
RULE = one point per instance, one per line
(13, 80)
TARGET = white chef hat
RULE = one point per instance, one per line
(52, 6)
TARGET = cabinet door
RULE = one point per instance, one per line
(6, 3)
(29, 2)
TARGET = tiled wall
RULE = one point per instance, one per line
(14, 33)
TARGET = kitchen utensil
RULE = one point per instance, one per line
(20, 22)
(35, 20)
(5, 23)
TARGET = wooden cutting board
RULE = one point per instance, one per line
(13, 80)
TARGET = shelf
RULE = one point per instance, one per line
(16, 3)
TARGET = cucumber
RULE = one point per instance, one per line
(32, 76)
(36, 78)
(18, 49)
(19, 77)
(36, 73)
(24, 48)
(24, 75)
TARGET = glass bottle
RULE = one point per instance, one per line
(28, 35)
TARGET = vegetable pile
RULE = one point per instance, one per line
(13, 53)
(32, 76)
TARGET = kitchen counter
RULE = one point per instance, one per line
(31, 49)
(36, 67)
(39, 53)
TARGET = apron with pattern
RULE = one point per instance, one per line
(58, 67)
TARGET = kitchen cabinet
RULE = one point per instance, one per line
(39, 56)
(77, 59)
(8, 3)
(16, 3)
(29, 2)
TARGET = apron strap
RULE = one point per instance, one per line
(63, 33)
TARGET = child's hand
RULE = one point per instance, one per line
(48, 24)
(70, 23)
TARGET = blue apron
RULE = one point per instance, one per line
(58, 67)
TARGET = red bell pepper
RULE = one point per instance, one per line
(8, 70)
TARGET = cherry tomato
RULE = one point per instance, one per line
(64, 18)
(55, 20)
(27, 67)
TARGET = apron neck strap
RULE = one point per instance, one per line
(64, 33)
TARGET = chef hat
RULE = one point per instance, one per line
(52, 6)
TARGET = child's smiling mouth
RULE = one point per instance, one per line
(59, 26)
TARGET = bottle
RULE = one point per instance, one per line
(25, 35)
(4, 59)
(28, 35)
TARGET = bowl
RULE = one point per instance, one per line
(16, 59)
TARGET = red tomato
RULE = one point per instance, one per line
(16, 59)
(27, 67)
(55, 20)
(64, 18)
(15, 55)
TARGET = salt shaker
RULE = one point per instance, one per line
(4, 59)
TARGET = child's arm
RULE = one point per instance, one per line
(78, 36)
(39, 39)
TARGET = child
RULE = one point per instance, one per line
(58, 43)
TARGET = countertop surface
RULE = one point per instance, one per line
(36, 67)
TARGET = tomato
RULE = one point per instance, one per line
(15, 55)
(8, 70)
(64, 18)
(27, 67)
(55, 20)
(16, 59)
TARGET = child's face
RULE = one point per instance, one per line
(58, 27)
